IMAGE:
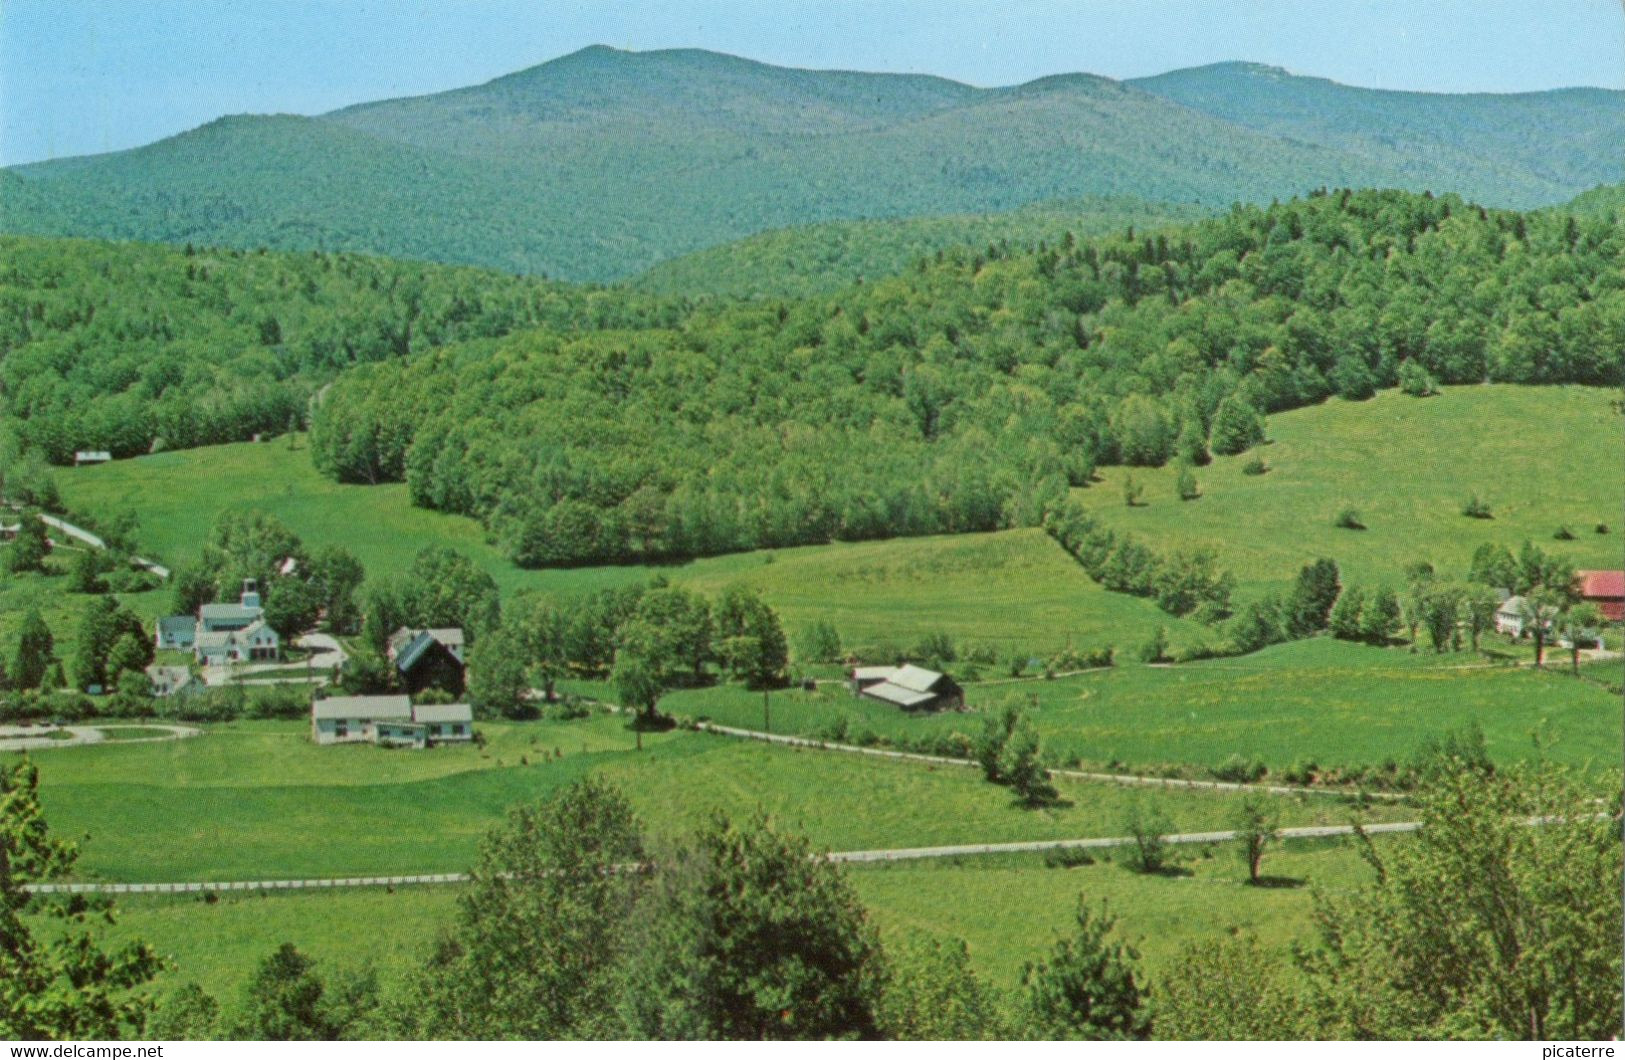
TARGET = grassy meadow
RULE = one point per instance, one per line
(1541, 457)
(1326, 701)
(259, 801)
(1008, 909)
(1405, 464)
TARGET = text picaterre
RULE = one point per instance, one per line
(1563, 1052)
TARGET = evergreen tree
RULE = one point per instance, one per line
(27, 553)
(1089, 987)
(35, 647)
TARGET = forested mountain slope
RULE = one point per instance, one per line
(600, 164)
(1531, 146)
(1601, 200)
(130, 347)
(970, 393)
(823, 258)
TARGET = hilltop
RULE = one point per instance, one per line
(603, 163)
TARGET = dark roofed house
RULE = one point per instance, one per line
(1606, 589)
(427, 658)
(908, 687)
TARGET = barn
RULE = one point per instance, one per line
(912, 688)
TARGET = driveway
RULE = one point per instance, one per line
(39, 738)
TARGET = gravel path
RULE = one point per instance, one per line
(34, 738)
(847, 856)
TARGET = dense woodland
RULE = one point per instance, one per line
(972, 391)
(134, 348)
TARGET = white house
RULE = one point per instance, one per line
(257, 642)
(390, 721)
(91, 456)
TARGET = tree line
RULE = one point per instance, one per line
(974, 390)
(133, 348)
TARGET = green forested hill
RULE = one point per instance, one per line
(970, 393)
(601, 164)
(130, 347)
(823, 258)
(1601, 200)
(1529, 146)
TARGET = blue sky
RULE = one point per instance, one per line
(81, 76)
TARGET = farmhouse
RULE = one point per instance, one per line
(428, 657)
(177, 632)
(909, 687)
(1509, 617)
(1606, 589)
(256, 642)
(390, 721)
(217, 618)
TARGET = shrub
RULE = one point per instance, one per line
(1155, 650)
(1416, 380)
(1564, 534)
(1150, 852)
(1475, 507)
(1067, 857)
(1186, 486)
(1602, 528)
(1303, 771)
(1255, 466)
(1132, 491)
(1348, 519)
(1101, 657)
(1239, 769)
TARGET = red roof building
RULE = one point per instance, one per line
(1606, 589)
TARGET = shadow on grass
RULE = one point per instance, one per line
(1170, 872)
(658, 723)
(1284, 883)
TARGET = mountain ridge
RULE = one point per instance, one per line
(601, 163)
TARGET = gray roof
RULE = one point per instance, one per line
(442, 713)
(177, 624)
(228, 611)
(218, 638)
(915, 678)
(1510, 606)
(363, 708)
(872, 673)
(892, 692)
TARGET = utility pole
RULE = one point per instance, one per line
(767, 723)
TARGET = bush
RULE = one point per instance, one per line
(1101, 657)
(1348, 519)
(1563, 534)
(1303, 771)
(1067, 857)
(1150, 852)
(1602, 528)
(1416, 380)
(1475, 507)
(1155, 650)
(1186, 486)
(1255, 466)
(1239, 769)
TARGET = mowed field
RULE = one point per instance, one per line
(1324, 701)
(1007, 908)
(257, 800)
(1541, 457)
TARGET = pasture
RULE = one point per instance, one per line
(1326, 701)
(1541, 458)
(259, 801)
(1008, 909)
